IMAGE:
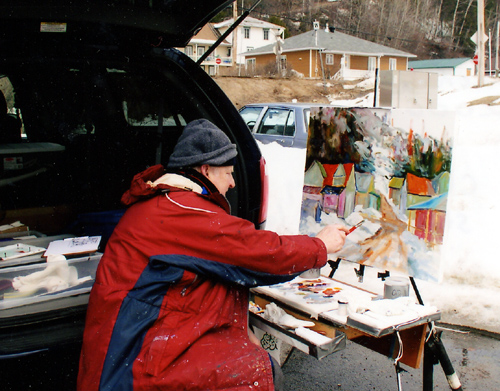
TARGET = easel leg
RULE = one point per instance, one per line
(436, 348)
(398, 375)
(428, 375)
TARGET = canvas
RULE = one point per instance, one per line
(360, 167)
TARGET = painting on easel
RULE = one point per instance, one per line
(360, 168)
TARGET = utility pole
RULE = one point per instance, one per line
(480, 42)
(234, 51)
(496, 49)
(489, 52)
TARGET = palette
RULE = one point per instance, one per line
(18, 250)
(311, 296)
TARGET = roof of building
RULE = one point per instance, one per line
(438, 63)
(249, 22)
(331, 173)
(208, 35)
(336, 42)
(315, 175)
(396, 183)
(419, 186)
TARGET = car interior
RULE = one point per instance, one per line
(72, 135)
(278, 122)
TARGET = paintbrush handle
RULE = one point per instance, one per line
(354, 227)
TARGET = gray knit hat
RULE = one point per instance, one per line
(202, 142)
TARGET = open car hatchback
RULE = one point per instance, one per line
(93, 92)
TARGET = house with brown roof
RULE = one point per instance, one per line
(321, 53)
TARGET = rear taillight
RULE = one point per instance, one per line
(264, 195)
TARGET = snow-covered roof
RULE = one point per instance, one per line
(329, 42)
(249, 22)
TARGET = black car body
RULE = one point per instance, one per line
(95, 93)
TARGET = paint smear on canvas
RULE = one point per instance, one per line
(358, 167)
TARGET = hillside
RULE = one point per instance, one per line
(244, 90)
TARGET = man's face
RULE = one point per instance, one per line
(221, 177)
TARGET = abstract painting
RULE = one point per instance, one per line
(360, 168)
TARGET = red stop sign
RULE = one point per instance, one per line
(476, 59)
(218, 61)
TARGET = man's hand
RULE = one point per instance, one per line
(333, 236)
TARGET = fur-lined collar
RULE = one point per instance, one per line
(154, 180)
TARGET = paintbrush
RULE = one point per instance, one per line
(355, 226)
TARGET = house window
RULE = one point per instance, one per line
(266, 34)
(329, 59)
(372, 63)
(249, 48)
(189, 51)
(246, 32)
(392, 64)
(229, 53)
(200, 51)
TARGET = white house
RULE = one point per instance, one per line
(201, 42)
(252, 33)
(446, 66)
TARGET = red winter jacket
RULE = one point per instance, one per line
(169, 307)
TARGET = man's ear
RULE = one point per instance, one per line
(204, 169)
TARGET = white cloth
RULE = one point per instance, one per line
(277, 315)
(56, 276)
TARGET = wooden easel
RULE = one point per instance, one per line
(434, 350)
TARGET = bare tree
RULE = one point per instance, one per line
(465, 17)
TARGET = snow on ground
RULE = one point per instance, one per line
(468, 294)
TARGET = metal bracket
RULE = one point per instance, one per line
(360, 272)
